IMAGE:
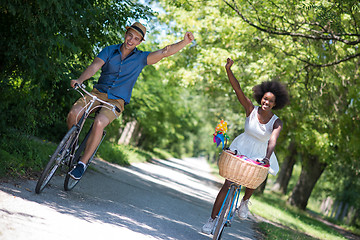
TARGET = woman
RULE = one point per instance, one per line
(262, 128)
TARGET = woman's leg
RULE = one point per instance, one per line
(220, 199)
(244, 208)
(248, 193)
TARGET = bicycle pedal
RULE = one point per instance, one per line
(228, 224)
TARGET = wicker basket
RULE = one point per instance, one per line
(241, 171)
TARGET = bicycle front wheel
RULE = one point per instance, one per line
(222, 219)
(62, 152)
(69, 182)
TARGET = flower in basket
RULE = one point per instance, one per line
(220, 135)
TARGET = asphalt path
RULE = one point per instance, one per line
(165, 199)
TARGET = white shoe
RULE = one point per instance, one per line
(209, 226)
(243, 210)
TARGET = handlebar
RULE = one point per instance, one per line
(82, 87)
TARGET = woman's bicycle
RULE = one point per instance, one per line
(241, 171)
(69, 151)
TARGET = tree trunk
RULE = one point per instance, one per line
(356, 216)
(311, 171)
(285, 173)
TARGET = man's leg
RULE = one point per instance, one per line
(74, 115)
(100, 122)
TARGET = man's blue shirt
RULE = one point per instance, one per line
(118, 76)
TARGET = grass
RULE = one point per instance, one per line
(23, 156)
(294, 223)
(125, 155)
(274, 232)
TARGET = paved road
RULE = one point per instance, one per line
(165, 199)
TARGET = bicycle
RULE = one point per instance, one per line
(243, 172)
(69, 151)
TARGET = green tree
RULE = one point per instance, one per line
(313, 48)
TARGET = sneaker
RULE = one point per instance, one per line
(209, 226)
(243, 210)
(77, 172)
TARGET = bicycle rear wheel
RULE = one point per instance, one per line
(62, 152)
(221, 221)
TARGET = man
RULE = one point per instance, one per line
(121, 65)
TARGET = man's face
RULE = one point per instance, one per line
(132, 39)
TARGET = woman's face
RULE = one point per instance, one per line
(268, 101)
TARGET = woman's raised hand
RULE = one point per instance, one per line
(229, 63)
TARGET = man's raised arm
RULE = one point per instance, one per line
(169, 50)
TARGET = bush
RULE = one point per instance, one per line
(23, 156)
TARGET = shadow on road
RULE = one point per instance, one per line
(160, 200)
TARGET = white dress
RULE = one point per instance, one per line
(254, 141)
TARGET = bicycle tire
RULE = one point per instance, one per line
(221, 221)
(55, 160)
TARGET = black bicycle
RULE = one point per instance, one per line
(69, 151)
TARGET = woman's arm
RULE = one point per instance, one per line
(169, 50)
(272, 141)
(247, 104)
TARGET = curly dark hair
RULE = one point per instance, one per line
(276, 88)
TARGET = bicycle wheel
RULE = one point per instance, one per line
(69, 182)
(221, 221)
(61, 153)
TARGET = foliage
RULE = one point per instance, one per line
(288, 41)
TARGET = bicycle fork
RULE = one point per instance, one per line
(234, 203)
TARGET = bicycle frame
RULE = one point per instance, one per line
(88, 110)
(236, 197)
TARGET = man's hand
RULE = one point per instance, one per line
(189, 37)
(229, 63)
(73, 82)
